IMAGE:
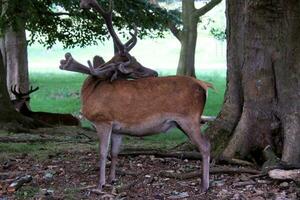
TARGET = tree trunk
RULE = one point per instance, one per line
(15, 46)
(261, 105)
(188, 40)
(14, 50)
(188, 35)
(10, 119)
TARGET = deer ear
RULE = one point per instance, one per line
(124, 69)
(98, 61)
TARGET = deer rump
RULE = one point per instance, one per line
(143, 106)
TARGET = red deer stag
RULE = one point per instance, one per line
(140, 107)
(20, 104)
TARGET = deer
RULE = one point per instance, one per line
(21, 105)
(122, 97)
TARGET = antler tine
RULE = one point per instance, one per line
(13, 90)
(20, 94)
(32, 90)
(107, 16)
(133, 40)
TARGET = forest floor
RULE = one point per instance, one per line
(69, 170)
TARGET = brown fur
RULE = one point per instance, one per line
(131, 101)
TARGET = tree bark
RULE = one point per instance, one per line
(17, 58)
(188, 35)
(14, 50)
(188, 39)
(261, 104)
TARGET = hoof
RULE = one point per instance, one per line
(204, 190)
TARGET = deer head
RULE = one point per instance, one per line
(122, 65)
(21, 97)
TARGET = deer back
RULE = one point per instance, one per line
(132, 101)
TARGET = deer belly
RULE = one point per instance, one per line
(144, 128)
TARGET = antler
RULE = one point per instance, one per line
(103, 71)
(107, 16)
(132, 42)
(20, 94)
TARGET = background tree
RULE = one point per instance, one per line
(261, 105)
(10, 119)
(14, 46)
(185, 30)
(49, 22)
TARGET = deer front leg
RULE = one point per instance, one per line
(104, 133)
(116, 141)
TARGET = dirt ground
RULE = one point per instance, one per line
(72, 175)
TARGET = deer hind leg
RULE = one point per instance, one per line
(104, 134)
(203, 145)
(116, 141)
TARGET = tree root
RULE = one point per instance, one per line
(219, 170)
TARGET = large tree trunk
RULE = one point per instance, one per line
(261, 105)
(188, 40)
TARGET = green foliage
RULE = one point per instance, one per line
(64, 21)
(218, 33)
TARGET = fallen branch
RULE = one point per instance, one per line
(224, 170)
(235, 161)
(192, 155)
(285, 174)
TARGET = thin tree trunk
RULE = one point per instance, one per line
(188, 40)
(188, 35)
